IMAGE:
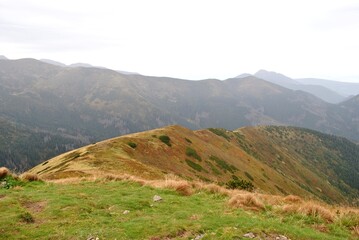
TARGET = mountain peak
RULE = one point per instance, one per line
(274, 77)
(2, 57)
(243, 75)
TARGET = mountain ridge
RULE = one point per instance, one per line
(92, 104)
(323, 92)
(256, 154)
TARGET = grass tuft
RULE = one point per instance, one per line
(26, 217)
(292, 199)
(247, 201)
(4, 172)
(310, 209)
(356, 231)
(30, 177)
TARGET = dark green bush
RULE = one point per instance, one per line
(132, 144)
(220, 132)
(188, 140)
(223, 164)
(165, 139)
(10, 182)
(26, 217)
(240, 184)
(194, 165)
(190, 152)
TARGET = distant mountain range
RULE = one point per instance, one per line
(81, 105)
(327, 90)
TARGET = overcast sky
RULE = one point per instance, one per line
(191, 39)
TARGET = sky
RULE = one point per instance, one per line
(189, 39)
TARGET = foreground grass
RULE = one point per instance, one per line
(40, 210)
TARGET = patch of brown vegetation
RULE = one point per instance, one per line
(4, 172)
(310, 209)
(182, 233)
(356, 231)
(212, 188)
(35, 206)
(67, 174)
(292, 199)
(321, 228)
(30, 177)
(247, 201)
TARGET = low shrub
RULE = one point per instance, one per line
(190, 152)
(166, 140)
(10, 181)
(26, 217)
(194, 165)
(240, 184)
(220, 132)
(223, 164)
(132, 145)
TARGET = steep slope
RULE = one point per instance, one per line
(31, 145)
(310, 165)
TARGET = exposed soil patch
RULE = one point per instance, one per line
(35, 206)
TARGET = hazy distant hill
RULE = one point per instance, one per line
(2, 57)
(91, 104)
(344, 88)
(319, 90)
(278, 160)
(53, 62)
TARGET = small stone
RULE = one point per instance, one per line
(157, 198)
(199, 237)
(281, 237)
(249, 235)
(126, 212)
(92, 238)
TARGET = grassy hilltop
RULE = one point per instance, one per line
(263, 182)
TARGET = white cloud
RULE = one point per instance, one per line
(188, 39)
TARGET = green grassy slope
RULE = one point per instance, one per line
(96, 209)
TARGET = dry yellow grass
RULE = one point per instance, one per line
(356, 231)
(30, 177)
(247, 201)
(4, 172)
(181, 186)
(292, 199)
(310, 209)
